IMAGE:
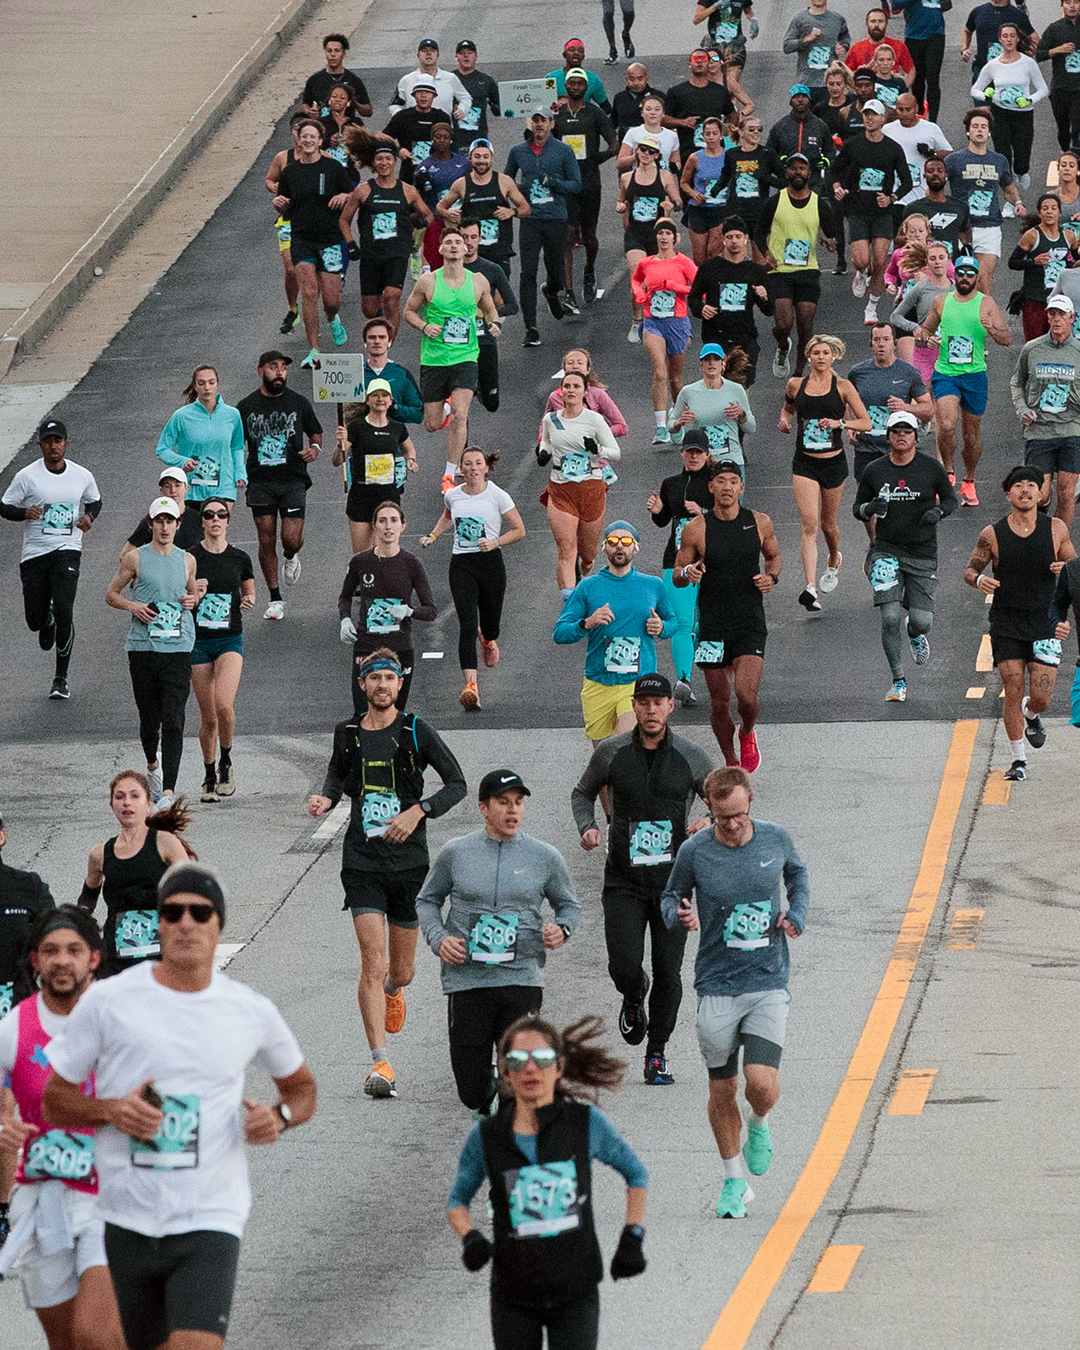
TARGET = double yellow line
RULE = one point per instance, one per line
(746, 1303)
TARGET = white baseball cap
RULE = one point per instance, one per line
(875, 106)
(163, 506)
(171, 471)
(902, 419)
(1061, 302)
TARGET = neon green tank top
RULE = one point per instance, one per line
(963, 338)
(793, 236)
(454, 310)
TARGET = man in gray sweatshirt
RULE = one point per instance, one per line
(493, 941)
(739, 872)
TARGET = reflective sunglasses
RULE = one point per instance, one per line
(215, 515)
(173, 913)
(621, 540)
(543, 1058)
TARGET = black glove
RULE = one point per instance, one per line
(877, 507)
(354, 250)
(590, 446)
(475, 1250)
(924, 149)
(629, 1259)
(930, 517)
(543, 457)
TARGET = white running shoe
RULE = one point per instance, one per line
(830, 578)
(275, 610)
(166, 802)
(898, 692)
(859, 283)
(153, 777)
(1008, 211)
(634, 334)
(291, 568)
(870, 314)
(781, 363)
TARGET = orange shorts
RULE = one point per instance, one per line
(584, 500)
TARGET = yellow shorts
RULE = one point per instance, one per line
(603, 705)
(283, 228)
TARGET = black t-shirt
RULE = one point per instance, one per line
(309, 187)
(317, 89)
(274, 432)
(985, 22)
(376, 457)
(752, 175)
(217, 614)
(729, 287)
(412, 130)
(484, 93)
(584, 132)
(687, 100)
(23, 896)
(866, 168)
(947, 219)
(188, 533)
(911, 490)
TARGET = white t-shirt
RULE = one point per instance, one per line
(63, 495)
(669, 142)
(477, 517)
(907, 138)
(196, 1048)
(52, 1023)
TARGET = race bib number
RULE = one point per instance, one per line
(540, 193)
(916, 175)
(796, 252)
(608, 474)
(1072, 60)
(746, 186)
(58, 518)
(815, 436)
(699, 136)
(137, 934)
(1054, 398)
(871, 180)
(884, 572)
(718, 436)
(456, 331)
(401, 471)
(379, 470)
(1047, 651)
(379, 620)
(420, 150)
(645, 209)
(576, 142)
(166, 622)
(726, 31)
(1052, 271)
(271, 452)
(57, 1155)
(7, 998)
(176, 1144)
(650, 843)
(470, 120)
(714, 194)
(980, 201)
(575, 466)
(709, 654)
(747, 926)
(887, 94)
(662, 304)
(818, 58)
(994, 51)
(544, 1200)
(961, 350)
(878, 417)
(622, 656)
(378, 809)
(680, 526)
(206, 473)
(215, 610)
(284, 230)
(384, 226)
(493, 939)
(733, 297)
(468, 531)
(489, 231)
(333, 258)
(339, 153)
(1008, 94)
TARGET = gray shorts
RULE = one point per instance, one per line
(1058, 454)
(901, 579)
(755, 1021)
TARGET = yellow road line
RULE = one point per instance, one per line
(985, 659)
(913, 1088)
(965, 929)
(744, 1307)
(997, 790)
(976, 690)
(833, 1270)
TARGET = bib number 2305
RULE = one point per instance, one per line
(59, 1156)
(176, 1143)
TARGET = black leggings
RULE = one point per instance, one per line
(161, 682)
(574, 1326)
(1066, 106)
(476, 1020)
(627, 7)
(359, 698)
(52, 580)
(487, 376)
(927, 54)
(630, 911)
(478, 585)
(536, 236)
(1014, 135)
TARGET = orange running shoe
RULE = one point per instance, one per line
(489, 651)
(395, 1011)
(380, 1081)
(470, 698)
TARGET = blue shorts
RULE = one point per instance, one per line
(972, 390)
(207, 650)
(675, 332)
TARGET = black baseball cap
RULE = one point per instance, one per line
(427, 42)
(652, 686)
(466, 45)
(797, 156)
(267, 357)
(726, 466)
(52, 428)
(694, 439)
(498, 781)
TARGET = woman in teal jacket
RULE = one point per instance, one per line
(206, 439)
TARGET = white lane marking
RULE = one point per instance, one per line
(22, 411)
(431, 656)
(225, 952)
(335, 821)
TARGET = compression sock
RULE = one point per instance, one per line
(210, 774)
(1024, 706)
(891, 637)
(378, 1054)
(734, 1167)
(1016, 749)
(275, 592)
(226, 756)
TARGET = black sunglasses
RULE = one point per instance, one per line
(215, 515)
(173, 913)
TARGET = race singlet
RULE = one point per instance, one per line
(175, 1146)
(544, 1200)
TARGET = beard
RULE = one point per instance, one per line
(276, 385)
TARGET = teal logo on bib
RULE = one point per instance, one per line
(215, 610)
(137, 934)
(7, 998)
(709, 654)
(58, 518)
(468, 531)
(378, 809)
(379, 618)
(623, 656)
(57, 1155)
(645, 209)
(165, 624)
(650, 843)
(489, 231)
(384, 226)
(575, 466)
(733, 297)
(493, 939)
(271, 451)
(796, 252)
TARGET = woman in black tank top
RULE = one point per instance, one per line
(129, 866)
(646, 193)
(824, 407)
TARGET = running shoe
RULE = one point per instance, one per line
(447, 414)
(952, 480)
(166, 801)
(47, 635)
(1025, 182)
(288, 323)
(532, 338)
(661, 436)
(1033, 730)
(657, 1073)
(153, 779)
(291, 569)
(633, 1019)
(967, 493)
(898, 692)
(830, 578)
(225, 785)
(870, 314)
(589, 291)
(1016, 772)
(808, 599)
(337, 331)
(489, 651)
(734, 1198)
(683, 694)
(569, 304)
(309, 361)
(449, 480)
(920, 648)
(634, 334)
(380, 1081)
(749, 754)
(859, 283)
(781, 362)
(470, 698)
(840, 270)
(209, 791)
(395, 1011)
(612, 58)
(758, 1149)
(554, 302)
(60, 690)
(275, 610)
(628, 47)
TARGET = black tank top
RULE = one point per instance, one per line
(727, 594)
(385, 225)
(1039, 281)
(811, 410)
(643, 202)
(1027, 585)
(131, 884)
(481, 202)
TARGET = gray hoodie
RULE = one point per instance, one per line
(495, 888)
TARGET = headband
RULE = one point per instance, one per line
(380, 663)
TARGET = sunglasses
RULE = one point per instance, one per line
(173, 913)
(621, 540)
(543, 1058)
(215, 515)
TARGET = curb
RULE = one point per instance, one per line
(74, 279)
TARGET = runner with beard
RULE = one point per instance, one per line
(726, 291)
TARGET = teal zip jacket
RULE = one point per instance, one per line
(214, 440)
(622, 650)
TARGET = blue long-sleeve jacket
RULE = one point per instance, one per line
(547, 178)
(622, 650)
(214, 440)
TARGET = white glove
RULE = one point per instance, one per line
(401, 611)
(348, 630)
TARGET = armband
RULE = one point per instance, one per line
(88, 897)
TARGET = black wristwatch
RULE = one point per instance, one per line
(774, 579)
(565, 932)
(425, 806)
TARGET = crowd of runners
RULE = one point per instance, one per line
(123, 1120)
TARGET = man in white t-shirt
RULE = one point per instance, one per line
(59, 502)
(919, 138)
(451, 96)
(57, 1241)
(169, 1043)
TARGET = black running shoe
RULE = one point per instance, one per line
(657, 1072)
(554, 303)
(612, 58)
(532, 338)
(633, 1019)
(59, 688)
(288, 323)
(589, 288)
(1016, 772)
(628, 46)
(1034, 731)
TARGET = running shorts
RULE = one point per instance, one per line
(583, 208)
(675, 332)
(330, 258)
(584, 500)
(828, 471)
(437, 383)
(755, 1021)
(801, 288)
(728, 643)
(602, 705)
(364, 498)
(392, 894)
(1058, 454)
(986, 239)
(49, 1280)
(702, 219)
(876, 225)
(972, 390)
(901, 579)
(283, 497)
(1042, 652)
(382, 274)
(207, 650)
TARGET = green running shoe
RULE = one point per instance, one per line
(734, 1198)
(308, 363)
(337, 332)
(758, 1149)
